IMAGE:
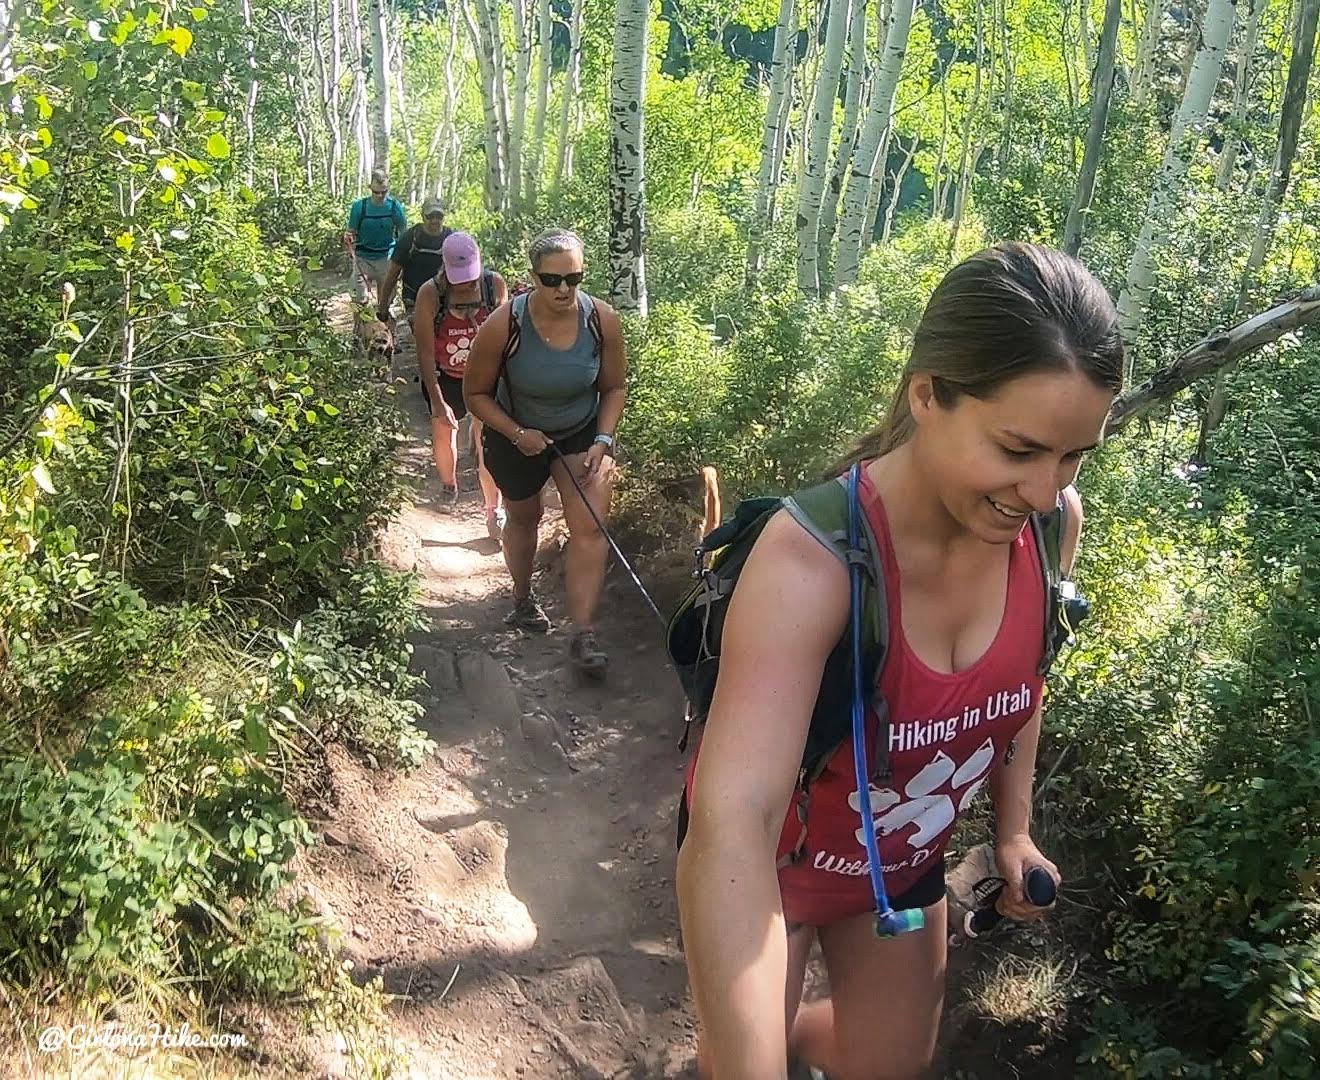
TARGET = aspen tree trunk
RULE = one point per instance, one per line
(409, 144)
(772, 138)
(1144, 68)
(967, 161)
(478, 30)
(444, 152)
(848, 138)
(812, 184)
(858, 220)
(1241, 86)
(522, 66)
(383, 113)
(491, 49)
(892, 207)
(1291, 115)
(1102, 88)
(361, 126)
(939, 185)
(250, 103)
(570, 92)
(1169, 181)
(627, 157)
(544, 40)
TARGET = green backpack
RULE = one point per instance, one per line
(694, 631)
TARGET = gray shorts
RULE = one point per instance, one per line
(373, 271)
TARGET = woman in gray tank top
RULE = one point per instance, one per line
(550, 405)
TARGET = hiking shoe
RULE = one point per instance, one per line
(586, 656)
(495, 521)
(448, 494)
(527, 614)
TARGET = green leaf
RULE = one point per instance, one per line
(217, 145)
(192, 91)
(90, 69)
(178, 38)
(232, 519)
(296, 501)
(44, 137)
(329, 410)
(38, 167)
(199, 14)
(124, 241)
(214, 116)
(125, 27)
(42, 477)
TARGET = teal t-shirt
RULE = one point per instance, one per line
(377, 226)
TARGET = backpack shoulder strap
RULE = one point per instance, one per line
(589, 305)
(488, 289)
(1047, 531)
(823, 511)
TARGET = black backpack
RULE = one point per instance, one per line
(694, 631)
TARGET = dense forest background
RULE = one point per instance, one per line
(191, 470)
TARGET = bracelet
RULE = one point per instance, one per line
(606, 439)
(517, 438)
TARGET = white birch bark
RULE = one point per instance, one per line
(854, 225)
(772, 138)
(812, 184)
(405, 125)
(1102, 88)
(1169, 181)
(1241, 86)
(849, 136)
(564, 147)
(627, 157)
(250, 102)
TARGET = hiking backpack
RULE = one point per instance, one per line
(442, 290)
(695, 629)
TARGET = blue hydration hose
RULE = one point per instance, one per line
(888, 923)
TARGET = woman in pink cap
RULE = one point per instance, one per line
(450, 308)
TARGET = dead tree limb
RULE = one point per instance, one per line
(1212, 354)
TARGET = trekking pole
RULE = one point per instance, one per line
(608, 538)
(1039, 889)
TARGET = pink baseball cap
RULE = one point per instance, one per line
(462, 258)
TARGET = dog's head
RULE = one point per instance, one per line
(376, 341)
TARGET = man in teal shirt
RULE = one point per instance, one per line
(373, 225)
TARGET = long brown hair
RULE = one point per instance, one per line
(1004, 312)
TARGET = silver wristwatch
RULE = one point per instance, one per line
(606, 440)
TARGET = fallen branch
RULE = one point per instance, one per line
(1213, 353)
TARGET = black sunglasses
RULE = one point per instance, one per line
(553, 281)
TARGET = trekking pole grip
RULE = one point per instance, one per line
(1039, 889)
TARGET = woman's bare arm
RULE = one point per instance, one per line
(788, 613)
(424, 334)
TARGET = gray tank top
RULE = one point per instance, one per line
(552, 390)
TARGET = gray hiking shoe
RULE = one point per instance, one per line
(495, 522)
(448, 494)
(586, 656)
(527, 614)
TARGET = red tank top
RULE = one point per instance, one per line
(946, 733)
(454, 335)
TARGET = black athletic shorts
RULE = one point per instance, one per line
(520, 477)
(927, 890)
(451, 389)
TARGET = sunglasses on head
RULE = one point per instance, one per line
(553, 281)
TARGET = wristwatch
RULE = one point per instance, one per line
(606, 440)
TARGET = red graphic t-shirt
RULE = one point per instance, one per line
(946, 733)
(454, 335)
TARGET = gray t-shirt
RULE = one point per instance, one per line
(553, 390)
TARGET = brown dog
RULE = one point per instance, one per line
(373, 340)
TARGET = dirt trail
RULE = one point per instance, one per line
(515, 891)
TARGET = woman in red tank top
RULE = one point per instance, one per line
(450, 308)
(1013, 369)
